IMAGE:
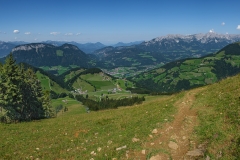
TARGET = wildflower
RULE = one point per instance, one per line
(109, 142)
(99, 149)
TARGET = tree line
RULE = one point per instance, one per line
(21, 95)
(107, 103)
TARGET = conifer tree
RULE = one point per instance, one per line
(31, 91)
(48, 111)
(10, 97)
(21, 95)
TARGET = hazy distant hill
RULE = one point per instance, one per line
(119, 44)
(40, 54)
(189, 73)
(6, 47)
(87, 47)
(166, 49)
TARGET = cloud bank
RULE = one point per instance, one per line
(16, 31)
(55, 33)
(68, 34)
(27, 33)
(238, 27)
(211, 30)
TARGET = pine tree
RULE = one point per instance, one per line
(10, 97)
(21, 95)
(1, 109)
(48, 111)
(31, 91)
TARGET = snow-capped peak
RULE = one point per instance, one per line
(203, 38)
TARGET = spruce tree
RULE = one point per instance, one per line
(48, 111)
(10, 97)
(21, 95)
(31, 91)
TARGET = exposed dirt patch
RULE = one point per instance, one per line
(173, 140)
(80, 131)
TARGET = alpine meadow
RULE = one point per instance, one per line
(122, 80)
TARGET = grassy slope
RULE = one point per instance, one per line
(75, 134)
(219, 115)
(72, 74)
(48, 84)
(99, 81)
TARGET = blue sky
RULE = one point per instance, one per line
(112, 21)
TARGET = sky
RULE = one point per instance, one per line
(112, 21)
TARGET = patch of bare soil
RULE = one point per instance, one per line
(174, 139)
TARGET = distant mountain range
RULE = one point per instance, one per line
(156, 52)
(165, 49)
(87, 47)
(119, 44)
(183, 68)
(6, 47)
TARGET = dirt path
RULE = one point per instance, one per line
(173, 140)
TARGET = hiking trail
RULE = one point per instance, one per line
(174, 138)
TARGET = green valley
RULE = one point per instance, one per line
(87, 113)
(190, 73)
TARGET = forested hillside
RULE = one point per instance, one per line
(41, 54)
(190, 73)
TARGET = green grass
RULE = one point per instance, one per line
(48, 84)
(72, 74)
(93, 77)
(123, 84)
(60, 69)
(59, 53)
(75, 134)
(83, 85)
(103, 85)
(219, 117)
(100, 81)
(64, 101)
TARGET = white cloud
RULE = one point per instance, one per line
(68, 34)
(223, 23)
(35, 39)
(27, 33)
(55, 33)
(238, 27)
(16, 31)
(15, 38)
(78, 34)
(211, 30)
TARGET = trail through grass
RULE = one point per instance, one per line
(211, 120)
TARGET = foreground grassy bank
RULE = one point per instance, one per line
(219, 116)
(76, 134)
